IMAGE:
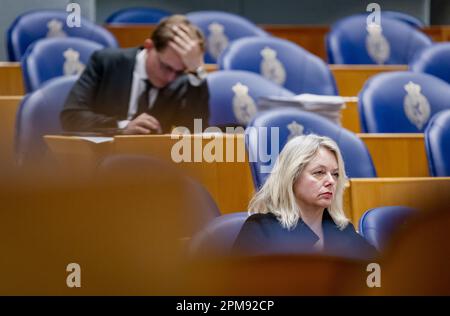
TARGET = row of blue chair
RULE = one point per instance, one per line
(39, 115)
(395, 41)
(346, 43)
(388, 103)
(34, 25)
(150, 15)
(301, 71)
(254, 50)
(31, 26)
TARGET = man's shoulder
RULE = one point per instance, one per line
(116, 54)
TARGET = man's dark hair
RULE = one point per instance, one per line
(163, 33)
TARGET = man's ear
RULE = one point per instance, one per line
(148, 44)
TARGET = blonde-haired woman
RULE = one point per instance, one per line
(299, 209)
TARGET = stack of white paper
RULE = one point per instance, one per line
(327, 106)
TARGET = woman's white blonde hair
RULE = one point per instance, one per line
(277, 194)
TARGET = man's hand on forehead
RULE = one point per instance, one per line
(187, 47)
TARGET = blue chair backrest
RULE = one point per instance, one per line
(137, 15)
(220, 28)
(350, 41)
(218, 236)
(233, 96)
(38, 115)
(377, 225)
(406, 18)
(290, 122)
(34, 25)
(437, 144)
(54, 57)
(434, 60)
(401, 102)
(280, 61)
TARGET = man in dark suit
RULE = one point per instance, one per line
(143, 90)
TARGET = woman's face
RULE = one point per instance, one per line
(315, 187)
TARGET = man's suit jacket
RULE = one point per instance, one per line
(101, 96)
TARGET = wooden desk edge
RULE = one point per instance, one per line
(345, 67)
(390, 135)
(397, 179)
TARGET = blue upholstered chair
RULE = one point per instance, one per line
(220, 28)
(351, 41)
(280, 61)
(406, 18)
(233, 96)
(138, 15)
(218, 236)
(37, 116)
(437, 144)
(401, 102)
(377, 225)
(433, 60)
(54, 57)
(34, 25)
(279, 125)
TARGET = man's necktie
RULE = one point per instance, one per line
(144, 99)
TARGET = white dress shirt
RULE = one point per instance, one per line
(138, 87)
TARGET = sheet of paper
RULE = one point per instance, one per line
(98, 140)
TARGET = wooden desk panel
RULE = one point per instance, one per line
(11, 82)
(8, 109)
(230, 183)
(131, 35)
(397, 155)
(438, 33)
(77, 156)
(350, 117)
(211, 67)
(311, 38)
(351, 78)
(446, 33)
(435, 32)
(365, 194)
